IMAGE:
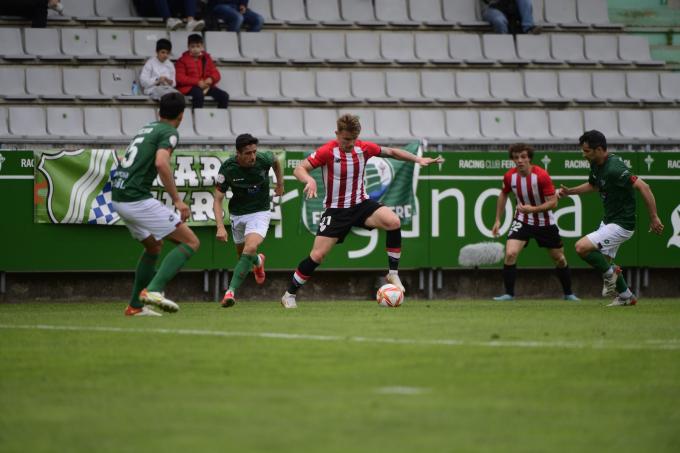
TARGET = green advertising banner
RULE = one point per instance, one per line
(454, 205)
(468, 185)
(75, 186)
(662, 172)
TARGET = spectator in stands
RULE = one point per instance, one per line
(235, 14)
(198, 76)
(510, 16)
(35, 10)
(158, 75)
(168, 8)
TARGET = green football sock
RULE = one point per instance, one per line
(597, 261)
(146, 268)
(621, 285)
(243, 267)
(170, 265)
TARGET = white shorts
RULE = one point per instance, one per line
(609, 237)
(241, 225)
(147, 218)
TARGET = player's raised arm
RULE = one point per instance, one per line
(168, 180)
(401, 154)
(301, 172)
(655, 224)
(583, 188)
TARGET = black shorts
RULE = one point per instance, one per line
(337, 222)
(546, 236)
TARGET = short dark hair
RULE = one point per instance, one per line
(594, 139)
(163, 44)
(194, 39)
(517, 148)
(172, 104)
(244, 140)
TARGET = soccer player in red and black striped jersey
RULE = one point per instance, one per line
(536, 198)
(343, 163)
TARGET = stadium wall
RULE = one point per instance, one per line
(455, 207)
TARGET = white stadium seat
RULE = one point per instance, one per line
(213, 123)
(102, 122)
(65, 122)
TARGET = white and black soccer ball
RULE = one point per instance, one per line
(389, 296)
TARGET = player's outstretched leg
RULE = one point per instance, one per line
(513, 247)
(624, 295)
(146, 268)
(171, 264)
(258, 269)
(609, 272)
(563, 273)
(243, 267)
(509, 278)
(303, 272)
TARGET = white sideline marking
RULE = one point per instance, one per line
(670, 344)
(402, 390)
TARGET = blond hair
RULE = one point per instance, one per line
(349, 123)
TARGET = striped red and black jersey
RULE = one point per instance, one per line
(343, 173)
(532, 189)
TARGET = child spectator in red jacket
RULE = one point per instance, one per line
(197, 75)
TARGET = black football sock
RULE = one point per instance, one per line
(564, 274)
(509, 277)
(303, 272)
(393, 246)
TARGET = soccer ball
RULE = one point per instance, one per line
(389, 296)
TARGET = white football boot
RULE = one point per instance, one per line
(609, 288)
(157, 299)
(288, 300)
(395, 280)
(144, 311)
(620, 301)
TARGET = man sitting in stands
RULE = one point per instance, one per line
(235, 14)
(510, 16)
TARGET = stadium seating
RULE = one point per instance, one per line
(285, 125)
(326, 48)
(412, 69)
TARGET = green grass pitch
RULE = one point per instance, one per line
(430, 376)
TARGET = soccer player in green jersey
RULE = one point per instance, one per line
(149, 220)
(247, 174)
(613, 179)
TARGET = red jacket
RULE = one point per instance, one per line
(190, 70)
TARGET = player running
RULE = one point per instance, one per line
(149, 220)
(343, 163)
(535, 195)
(247, 174)
(613, 179)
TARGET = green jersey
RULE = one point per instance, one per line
(250, 185)
(615, 181)
(136, 172)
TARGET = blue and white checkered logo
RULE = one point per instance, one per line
(101, 209)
